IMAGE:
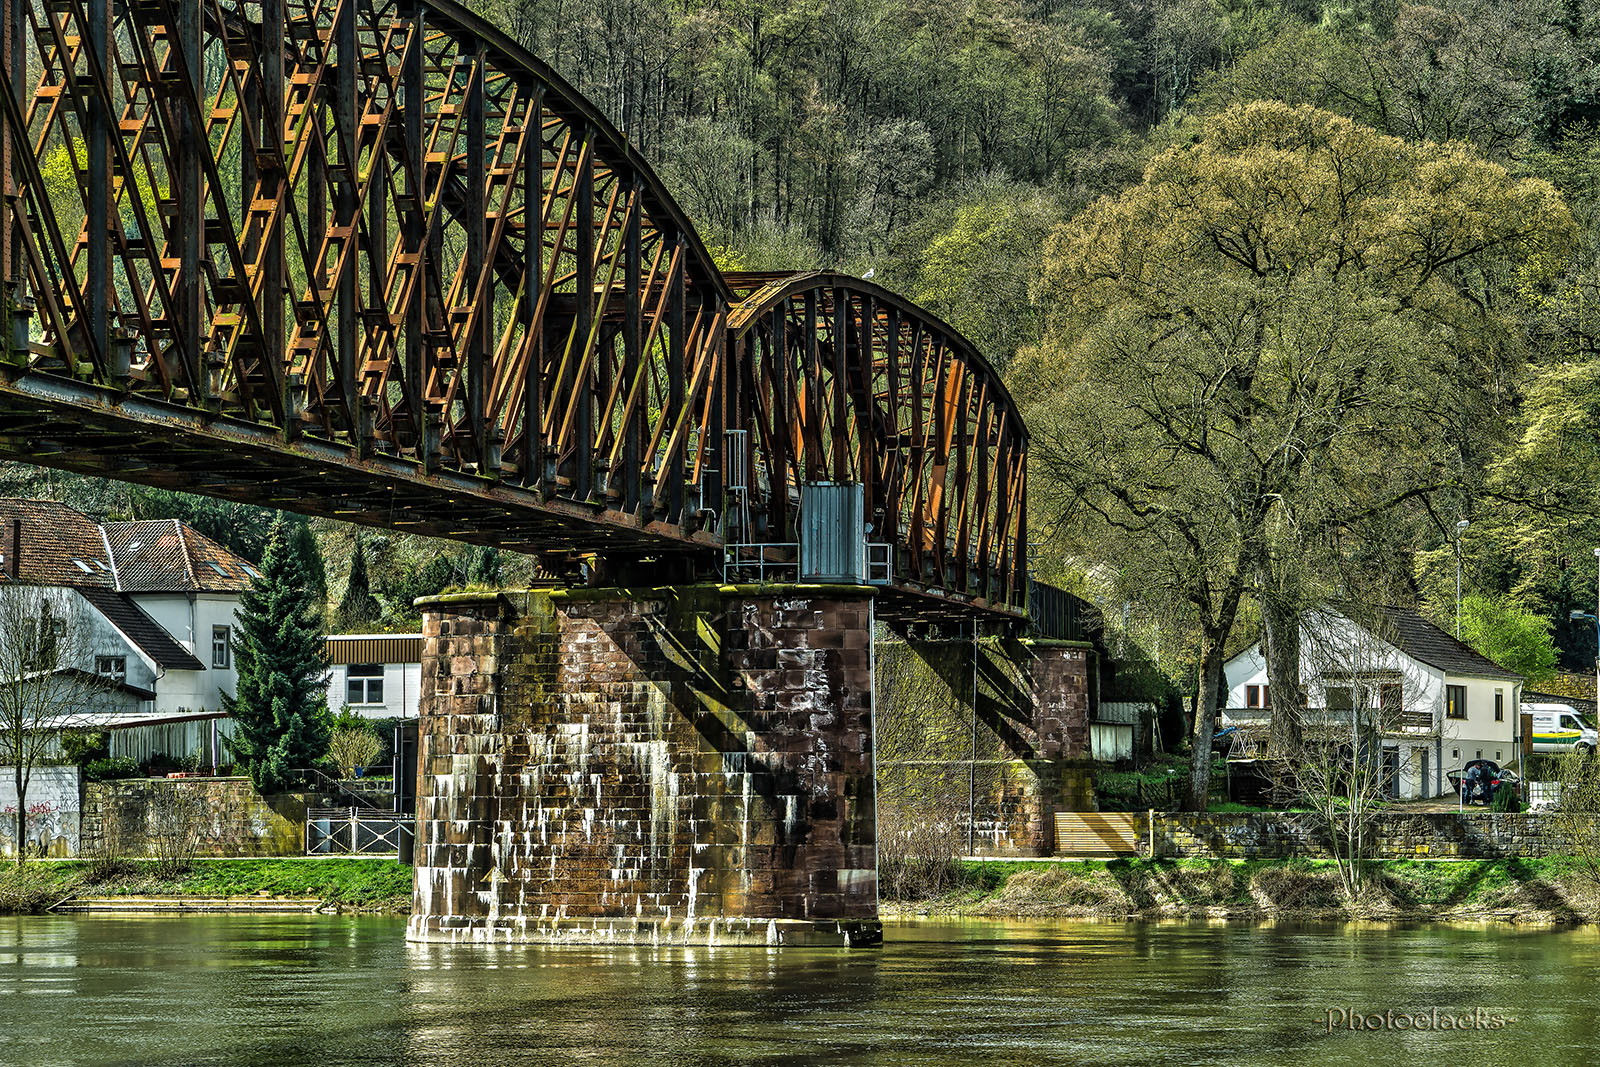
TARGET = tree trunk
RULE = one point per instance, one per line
(1206, 703)
(1280, 645)
(22, 809)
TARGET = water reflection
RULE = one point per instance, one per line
(310, 989)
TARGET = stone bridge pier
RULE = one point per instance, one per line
(696, 764)
(685, 765)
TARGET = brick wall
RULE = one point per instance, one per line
(1272, 835)
(1027, 761)
(688, 764)
(233, 819)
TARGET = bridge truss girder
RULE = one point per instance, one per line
(369, 258)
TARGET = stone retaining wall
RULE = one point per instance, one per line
(232, 818)
(1004, 762)
(1280, 835)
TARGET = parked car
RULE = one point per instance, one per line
(1559, 728)
(1498, 778)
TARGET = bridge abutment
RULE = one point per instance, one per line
(980, 743)
(683, 765)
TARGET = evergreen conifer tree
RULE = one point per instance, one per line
(483, 566)
(281, 707)
(358, 604)
(305, 545)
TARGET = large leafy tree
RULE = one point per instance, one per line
(1512, 636)
(1288, 332)
(281, 707)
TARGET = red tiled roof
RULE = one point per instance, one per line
(63, 546)
(59, 545)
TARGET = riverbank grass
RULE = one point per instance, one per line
(1550, 889)
(350, 883)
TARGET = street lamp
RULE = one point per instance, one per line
(1596, 619)
(1460, 527)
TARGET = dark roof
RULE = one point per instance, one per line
(374, 648)
(1409, 631)
(141, 629)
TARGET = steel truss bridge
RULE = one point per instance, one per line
(373, 260)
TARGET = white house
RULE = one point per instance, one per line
(158, 597)
(1437, 702)
(378, 676)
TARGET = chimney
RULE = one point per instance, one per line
(15, 561)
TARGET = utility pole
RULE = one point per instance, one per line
(1460, 527)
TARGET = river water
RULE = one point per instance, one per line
(340, 990)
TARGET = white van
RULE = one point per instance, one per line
(1559, 728)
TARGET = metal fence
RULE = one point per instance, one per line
(353, 831)
(1057, 614)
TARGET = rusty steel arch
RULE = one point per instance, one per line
(841, 380)
(371, 259)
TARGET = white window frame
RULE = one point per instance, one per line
(369, 682)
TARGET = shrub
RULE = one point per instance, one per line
(161, 764)
(110, 769)
(352, 748)
(1506, 801)
(85, 746)
(177, 821)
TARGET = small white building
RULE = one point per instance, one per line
(157, 600)
(377, 676)
(1438, 702)
(158, 597)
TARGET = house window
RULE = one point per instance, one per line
(1455, 701)
(1391, 698)
(363, 683)
(1341, 699)
(113, 667)
(46, 633)
(1499, 705)
(219, 646)
(1256, 696)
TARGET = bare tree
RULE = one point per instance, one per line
(46, 681)
(1575, 822)
(177, 824)
(1361, 684)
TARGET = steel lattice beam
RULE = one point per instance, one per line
(373, 260)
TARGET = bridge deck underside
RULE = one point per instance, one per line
(74, 427)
